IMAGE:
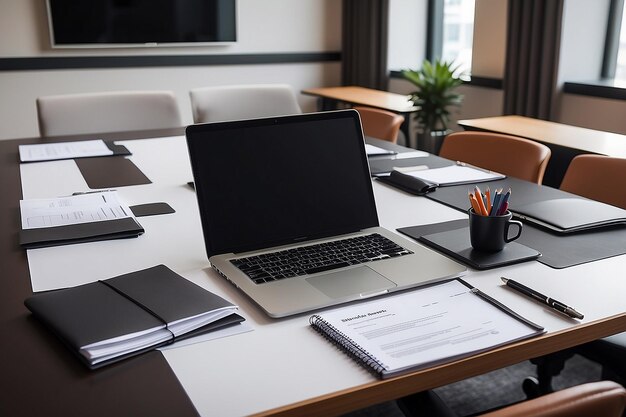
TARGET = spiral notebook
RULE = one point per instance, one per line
(422, 328)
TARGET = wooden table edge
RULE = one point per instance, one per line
(355, 398)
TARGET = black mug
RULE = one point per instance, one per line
(491, 233)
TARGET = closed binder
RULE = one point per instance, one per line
(84, 217)
(570, 215)
(106, 321)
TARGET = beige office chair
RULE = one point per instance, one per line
(595, 399)
(235, 102)
(380, 124)
(75, 114)
(509, 155)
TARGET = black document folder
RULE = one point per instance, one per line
(106, 321)
(80, 233)
(570, 215)
(408, 183)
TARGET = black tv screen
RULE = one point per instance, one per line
(96, 23)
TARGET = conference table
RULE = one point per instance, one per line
(331, 97)
(565, 141)
(279, 366)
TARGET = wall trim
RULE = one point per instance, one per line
(93, 62)
(600, 89)
(473, 81)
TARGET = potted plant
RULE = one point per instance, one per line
(435, 95)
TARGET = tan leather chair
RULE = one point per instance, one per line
(600, 178)
(380, 124)
(509, 155)
(597, 177)
(595, 399)
(235, 102)
(74, 114)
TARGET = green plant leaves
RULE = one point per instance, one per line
(435, 94)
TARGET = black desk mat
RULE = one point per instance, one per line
(456, 244)
(110, 172)
(557, 251)
(522, 193)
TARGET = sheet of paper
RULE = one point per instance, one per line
(85, 208)
(455, 174)
(242, 327)
(372, 150)
(63, 150)
(426, 326)
(411, 154)
(406, 170)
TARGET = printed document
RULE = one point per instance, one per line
(455, 174)
(84, 208)
(372, 150)
(425, 327)
(63, 150)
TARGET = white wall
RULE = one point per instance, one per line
(582, 48)
(268, 26)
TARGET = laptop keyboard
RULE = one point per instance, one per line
(321, 257)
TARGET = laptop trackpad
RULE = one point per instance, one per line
(355, 281)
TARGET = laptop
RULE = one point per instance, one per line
(289, 217)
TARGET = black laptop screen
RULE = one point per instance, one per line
(262, 183)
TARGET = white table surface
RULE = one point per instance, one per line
(282, 361)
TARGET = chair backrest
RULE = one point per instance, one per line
(75, 114)
(597, 399)
(597, 177)
(509, 155)
(380, 124)
(235, 102)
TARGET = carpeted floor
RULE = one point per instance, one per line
(495, 389)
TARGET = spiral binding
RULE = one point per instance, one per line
(348, 345)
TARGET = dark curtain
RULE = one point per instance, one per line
(530, 76)
(364, 43)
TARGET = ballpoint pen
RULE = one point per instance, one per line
(550, 302)
(465, 164)
(91, 192)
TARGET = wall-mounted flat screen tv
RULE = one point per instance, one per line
(126, 23)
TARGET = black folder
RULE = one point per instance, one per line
(80, 233)
(570, 215)
(148, 305)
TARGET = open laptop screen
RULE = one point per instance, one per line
(274, 181)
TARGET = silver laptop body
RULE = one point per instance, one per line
(268, 186)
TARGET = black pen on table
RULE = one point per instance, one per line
(550, 302)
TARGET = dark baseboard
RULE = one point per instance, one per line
(93, 62)
(474, 80)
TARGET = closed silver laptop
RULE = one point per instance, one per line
(289, 217)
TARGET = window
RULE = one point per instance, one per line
(614, 63)
(450, 32)
(620, 67)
